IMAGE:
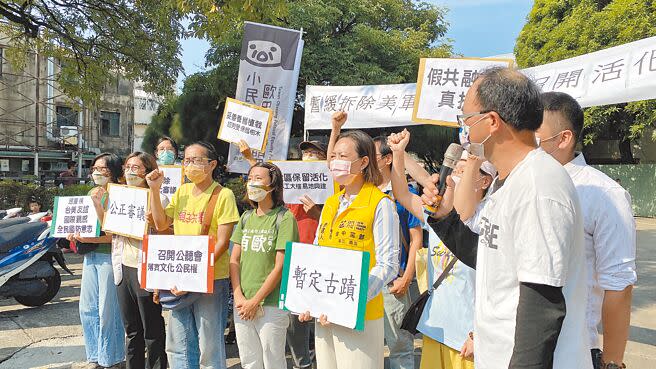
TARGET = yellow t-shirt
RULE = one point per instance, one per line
(187, 212)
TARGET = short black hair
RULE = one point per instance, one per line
(169, 139)
(71, 164)
(512, 95)
(568, 107)
(113, 162)
(384, 147)
(33, 199)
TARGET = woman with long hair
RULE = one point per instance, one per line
(256, 264)
(104, 340)
(371, 224)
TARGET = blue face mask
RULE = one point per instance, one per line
(166, 157)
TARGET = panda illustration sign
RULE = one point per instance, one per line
(268, 75)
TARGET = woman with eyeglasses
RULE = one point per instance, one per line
(195, 332)
(142, 318)
(99, 314)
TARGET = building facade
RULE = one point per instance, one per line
(41, 129)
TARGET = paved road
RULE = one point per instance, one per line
(51, 337)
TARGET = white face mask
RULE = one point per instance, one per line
(256, 191)
(99, 179)
(133, 179)
(310, 157)
(456, 179)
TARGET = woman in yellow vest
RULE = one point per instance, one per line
(371, 223)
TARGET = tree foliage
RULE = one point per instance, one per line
(95, 40)
(558, 30)
(346, 43)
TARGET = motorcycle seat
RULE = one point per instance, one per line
(4, 223)
(19, 234)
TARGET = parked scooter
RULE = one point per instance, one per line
(27, 256)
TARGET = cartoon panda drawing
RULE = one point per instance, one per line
(264, 53)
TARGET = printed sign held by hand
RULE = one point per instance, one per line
(74, 214)
(183, 262)
(126, 211)
(306, 178)
(248, 122)
(173, 179)
(326, 280)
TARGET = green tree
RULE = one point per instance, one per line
(96, 39)
(346, 43)
(558, 30)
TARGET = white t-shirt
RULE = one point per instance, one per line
(610, 237)
(531, 230)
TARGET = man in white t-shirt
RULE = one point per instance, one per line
(530, 265)
(610, 231)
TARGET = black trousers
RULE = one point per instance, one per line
(143, 323)
(596, 358)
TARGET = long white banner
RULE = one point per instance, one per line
(268, 76)
(620, 74)
(367, 106)
(616, 75)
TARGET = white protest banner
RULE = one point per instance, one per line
(442, 85)
(173, 179)
(268, 76)
(311, 178)
(74, 214)
(616, 75)
(326, 280)
(248, 122)
(367, 106)
(183, 262)
(126, 211)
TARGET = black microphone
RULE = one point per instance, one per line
(451, 157)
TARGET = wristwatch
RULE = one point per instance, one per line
(612, 365)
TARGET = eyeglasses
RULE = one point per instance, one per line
(100, 169)
(197, 161)
(462, 118)
(133, 168)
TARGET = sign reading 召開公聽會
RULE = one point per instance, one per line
(74, 214)
(306, 178)
(248, 122)
(326, 280)
(126, 211)
(183, 262)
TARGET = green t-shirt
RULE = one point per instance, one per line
(258, 249)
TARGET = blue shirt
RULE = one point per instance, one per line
(407, 221)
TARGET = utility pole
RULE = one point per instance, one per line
(37, 101)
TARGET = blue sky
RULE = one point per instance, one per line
(477, 27)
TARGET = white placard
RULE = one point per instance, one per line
(173, 179)
(4, 165)
(442, 85)
(367, 106)
(183, 262)
(326, 280)
(248, 122)
(74, 214)
(126, 211)
(311, 178)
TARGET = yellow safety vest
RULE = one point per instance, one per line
(353, 230)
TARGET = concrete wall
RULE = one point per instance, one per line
(640, 181)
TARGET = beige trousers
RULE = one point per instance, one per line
(338, 347)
